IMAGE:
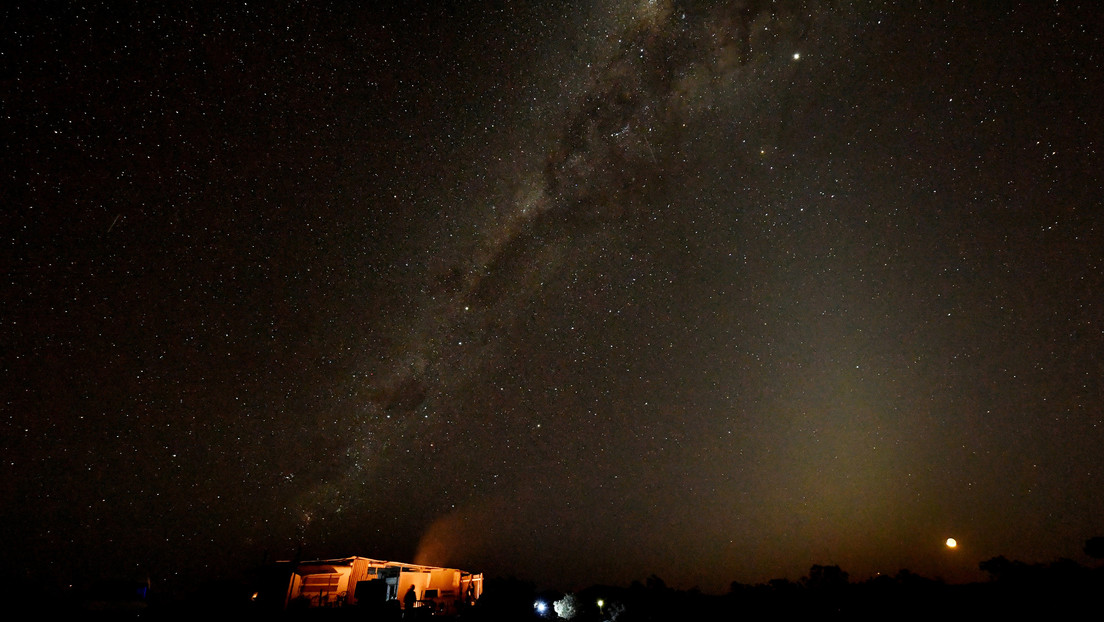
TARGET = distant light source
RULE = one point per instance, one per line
(797, 55)
(951, 543)
(540, 606)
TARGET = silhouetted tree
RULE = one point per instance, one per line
(1094, 547)
(825, 578)
(782, 585)
(996, 567)
(655, 584)
(1003, 570)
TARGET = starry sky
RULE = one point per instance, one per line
(575, 292)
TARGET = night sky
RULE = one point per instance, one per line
(579, 294)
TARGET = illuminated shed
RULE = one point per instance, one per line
(364, 581)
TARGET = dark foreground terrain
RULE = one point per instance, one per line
(1062, 588)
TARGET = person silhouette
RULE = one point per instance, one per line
(408, 602)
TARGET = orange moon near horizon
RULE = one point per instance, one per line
(951, 543)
